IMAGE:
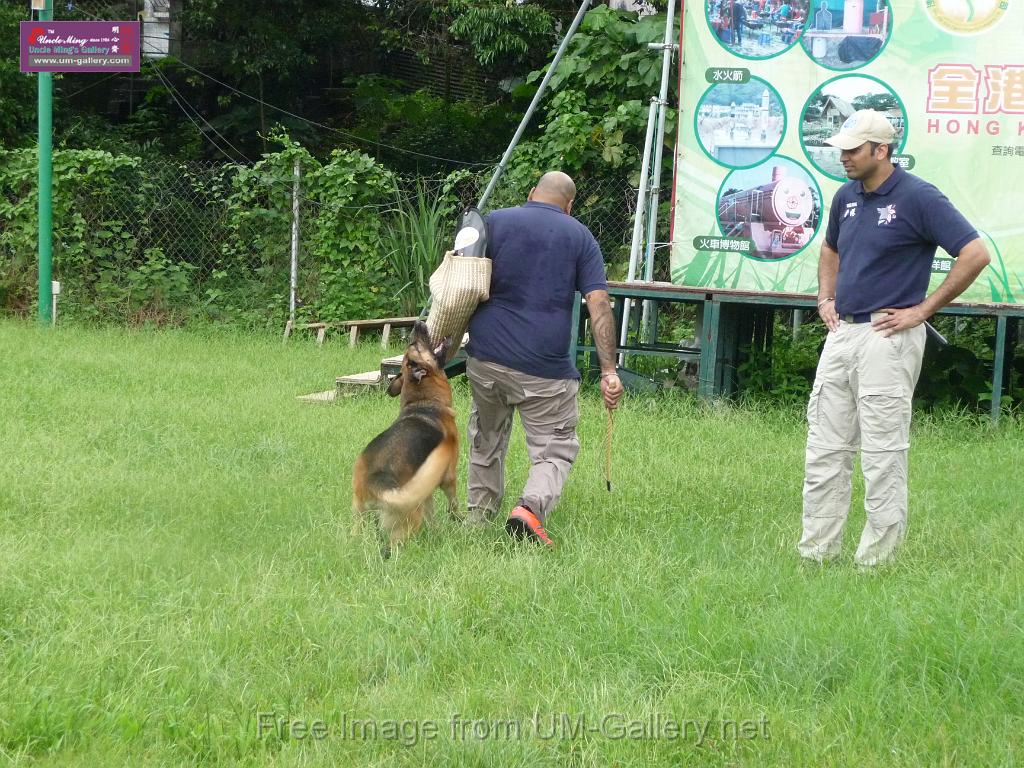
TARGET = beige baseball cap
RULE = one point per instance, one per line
(862, 126)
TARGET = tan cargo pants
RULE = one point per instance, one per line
(549, 413)
(860, 400)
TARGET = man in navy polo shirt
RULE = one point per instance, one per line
(873, 273)
(519, 352)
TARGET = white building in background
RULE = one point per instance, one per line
(643, 8)
(161, 29)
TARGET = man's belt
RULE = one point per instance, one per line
(861, 317)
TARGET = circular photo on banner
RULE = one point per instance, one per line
(966, 17)
(829, 107)
(739, 125)
(847, 34)
(756, 29)
(776, 204)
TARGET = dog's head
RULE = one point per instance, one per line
(423, 362)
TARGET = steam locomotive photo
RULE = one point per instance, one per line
(780, 216)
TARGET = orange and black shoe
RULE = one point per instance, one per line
(523, 524)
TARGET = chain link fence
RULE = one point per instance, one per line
(146, 240)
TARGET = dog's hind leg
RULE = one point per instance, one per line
(386, 523)
(427, 510)
(448, 485)
(398, 527)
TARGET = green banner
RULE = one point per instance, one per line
(763, 84)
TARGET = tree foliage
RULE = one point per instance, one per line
(878, 101)
(401, 123)
(595, 121)
(17, 91)
(503, 35)
(506, 37)
(353, 128)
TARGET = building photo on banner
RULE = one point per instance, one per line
(764, 83)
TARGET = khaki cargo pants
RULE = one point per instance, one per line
(549, 413)
(860, 400)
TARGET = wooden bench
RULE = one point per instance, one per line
(320, 328)
(385, 325)
(354, 327)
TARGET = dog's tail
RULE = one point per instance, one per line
(422, 484)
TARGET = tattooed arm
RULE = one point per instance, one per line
(602, 321)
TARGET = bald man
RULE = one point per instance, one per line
(519, 353)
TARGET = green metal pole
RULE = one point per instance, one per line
(46, 186)
(997, 369)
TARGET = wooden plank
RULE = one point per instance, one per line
(670, 292)
(721, 336)
(380, 323)
(319, 397)
(709, 336)
(369, 377)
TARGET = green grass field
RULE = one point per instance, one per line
(177, 580)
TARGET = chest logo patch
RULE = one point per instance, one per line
(886, 215)
(851, 210)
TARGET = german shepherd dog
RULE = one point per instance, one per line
(396, 475)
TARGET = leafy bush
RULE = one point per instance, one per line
(784, 372)
(122, 251)
(953, 377)
(99, 205)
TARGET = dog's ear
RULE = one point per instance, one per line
(395, 387)
(441, 351)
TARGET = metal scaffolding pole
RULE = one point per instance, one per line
(647, 194)
(668, 47)
(638, 222)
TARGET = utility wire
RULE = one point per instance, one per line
(182, 105)
(92, 85)
(339, 131)
(188, 109)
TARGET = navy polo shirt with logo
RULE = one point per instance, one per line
(886, 242)
(540, 258)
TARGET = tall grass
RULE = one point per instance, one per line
(176, 571)
(415, 240)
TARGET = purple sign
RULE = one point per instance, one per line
(80, 46)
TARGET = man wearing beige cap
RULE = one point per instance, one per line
(883, 228)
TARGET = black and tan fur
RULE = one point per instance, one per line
(396, 475)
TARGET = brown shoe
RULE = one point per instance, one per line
(523, 524)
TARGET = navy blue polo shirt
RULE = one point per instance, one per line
(540, 258)
(886, 241)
